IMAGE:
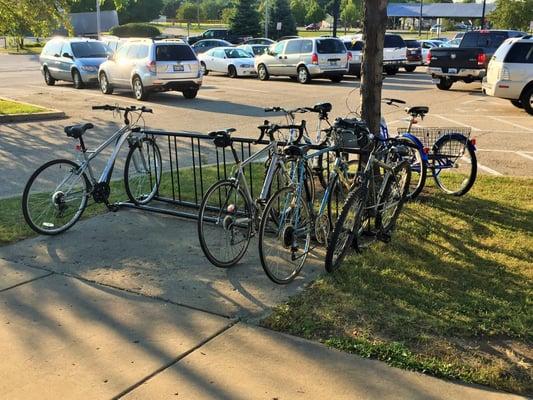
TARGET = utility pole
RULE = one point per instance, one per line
(266, 18)
(198, 12)
(98, 19)
(483, 15)
(420, 19)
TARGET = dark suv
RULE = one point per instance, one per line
(220, 34)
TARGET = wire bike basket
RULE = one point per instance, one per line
(430, 136)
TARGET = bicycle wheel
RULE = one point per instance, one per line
(55, 197)
(454, 164)
(324, 223)
(347, 229)
(393, 196)
(225, 224)
(284, 235)
(418, 169)
(142, 171)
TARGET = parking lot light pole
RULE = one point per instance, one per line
(420, 19)
(98, 19)
(483, 15)
(266, 18)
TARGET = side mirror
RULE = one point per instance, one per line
(66, 55)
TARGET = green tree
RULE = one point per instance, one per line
(228, 14)
(281, 12)
(351, 13)
(299, 10)
(171, 8)
(139, 10)
(245, 21)
(315, 13)
(212, 9)
(188, 12)
(78, 6)
(512, 14)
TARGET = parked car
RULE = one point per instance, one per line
(113, 42)
(315, 26)
(146, 65)
(304, 59)
(510, 73)
(355, 47)
(288, 37)
(439, 39)
(394, 54)
(451, 43)
(437, 28)
(232, 61)
(459, 35)
(264, 41)
(468, 62)
(219, 34)
(203, 45)
(463, 27)
(413, 54)
(72, 59)
(254, 49)
(426, 46)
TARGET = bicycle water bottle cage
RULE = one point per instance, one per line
(222, 138)
(77, 131)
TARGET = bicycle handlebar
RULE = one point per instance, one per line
(389, 101)
(108, 107)
(269, 129)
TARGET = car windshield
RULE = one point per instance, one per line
(329, 46)
(393, 41)
(89, 50)
(412, 43)
(354, 46)
(174, 53)
(237, 53)
(258, 50)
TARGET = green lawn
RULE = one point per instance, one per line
(15, 107)
(450, 296)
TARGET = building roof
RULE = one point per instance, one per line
(439, 10)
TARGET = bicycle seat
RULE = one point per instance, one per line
(418, 110)
(322, 108)
(222, 137)
(76, 131)
(295, 150)
(226, 131)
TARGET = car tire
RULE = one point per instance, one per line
(76, 79)
(139, 91)
(445, 84)
(392, 70)
(262, 72)
(190, 93)
(232, 71)
(303, 75)
(205, 71)
(410, 68)
(336, 79)
(105, 86)
(517, 103)
(48, 77)
(526, 99)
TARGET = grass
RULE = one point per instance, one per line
(15, 107)
(450, 296)
(27, 50)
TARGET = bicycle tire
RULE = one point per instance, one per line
(226, 223)
(346, 230)
(153, 159)
(418, 169)
(438, 148)
(58, 196)
(284, 234)
(393, 197)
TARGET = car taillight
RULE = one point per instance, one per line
(314, 58)
(428, 58)
(350, 56)
(151, 67)
(481, 58)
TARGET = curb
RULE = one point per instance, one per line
(50, 114)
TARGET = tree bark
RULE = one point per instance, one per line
(374, 25)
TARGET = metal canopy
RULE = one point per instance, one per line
(438, 10)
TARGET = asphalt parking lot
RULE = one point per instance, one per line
(503, 132)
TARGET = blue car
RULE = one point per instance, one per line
(72, 59)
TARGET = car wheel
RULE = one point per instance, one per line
(517, 103)
(410, 68)
(262, 72)
(76, 78)
(139, 91)
(204, 68)
(105, 87)
(527, 100)
(48, 78)
(336, 79)
(303, 75)
(190, 93)
(391, 70)
(444, 84)
(232, 71)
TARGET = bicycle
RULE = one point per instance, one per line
(376, 199)
(289, 218)
(58, 192)
(229, 216)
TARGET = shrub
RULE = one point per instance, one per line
(135, 30)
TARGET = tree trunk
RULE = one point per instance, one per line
(335, 11)
(374, 25)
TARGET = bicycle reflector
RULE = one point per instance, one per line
(426, 150)
(78, 147)
(473, 141)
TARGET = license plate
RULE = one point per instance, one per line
(452, 70)
(333, 63)
(178, 68)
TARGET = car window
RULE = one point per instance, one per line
(218, 53)
(354, 45)
(237, 53)
(53, 47)
(166, 52)
(277, 48)
(484, 39)
(219, 34)
(89, 50)
(329, 46)
(412, 43)
(209, 34)
(520, 53)
(142, 51)
(132, 51)
(393, 41)
(258, 50)
(66, 49)
(307, 46)
(293, 47)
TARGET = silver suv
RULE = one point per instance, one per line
(304, 59)
(73, 59)
(146, 65)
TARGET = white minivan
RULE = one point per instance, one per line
(510, 73)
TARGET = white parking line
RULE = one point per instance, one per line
(510, 123)
(457, 122)
(489, 170)
(241, 88)
(523, 154)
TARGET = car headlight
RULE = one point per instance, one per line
(89, 68)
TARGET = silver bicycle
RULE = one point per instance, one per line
(57, 193)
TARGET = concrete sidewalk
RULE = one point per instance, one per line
(125, 306)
